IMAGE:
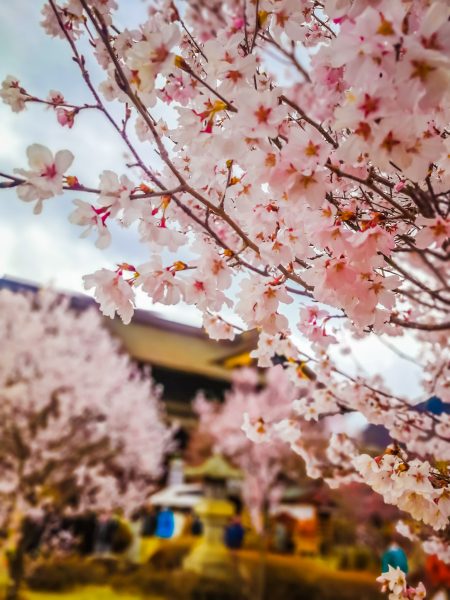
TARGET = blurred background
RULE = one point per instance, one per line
(224, 518)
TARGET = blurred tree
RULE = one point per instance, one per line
(80, 426)
(264, 465)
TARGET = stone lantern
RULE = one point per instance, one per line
(210, 557)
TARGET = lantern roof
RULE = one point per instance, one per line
(214, 467)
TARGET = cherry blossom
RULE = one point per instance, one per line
(394, 581)
(88, 216)
(113, 293)
(11, 93)
(434, 233)
(161, 283)
(217, 328)
(408, 484)
(45, 179)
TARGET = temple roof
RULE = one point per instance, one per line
(168, 345)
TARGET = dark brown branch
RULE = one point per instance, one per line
(421, 326)
(289, 55)
(305, 117)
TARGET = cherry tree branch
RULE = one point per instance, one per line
(421, 326)
(305, 117)
(267, 37)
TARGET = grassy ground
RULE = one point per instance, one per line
(289, 571)
(84, 593)
(87, 593)
(298, 566)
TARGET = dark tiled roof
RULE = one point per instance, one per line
(82, 301)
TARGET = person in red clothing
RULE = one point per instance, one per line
(438, 572)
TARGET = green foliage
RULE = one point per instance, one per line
(63, 574)
(356, 558)
(171, 553)
(122, 537)
(343, 532)
(142, 579)
(189, 586)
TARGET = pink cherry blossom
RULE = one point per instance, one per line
(113, 293)
(217, 328)
(254, 429)
(161, 284)
(12, 94)
(90, 217)
(433, 232)
(65, 117)
(45, 179)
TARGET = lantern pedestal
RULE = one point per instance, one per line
(210, 557)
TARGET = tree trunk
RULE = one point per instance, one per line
(16, 570)
(262, 566)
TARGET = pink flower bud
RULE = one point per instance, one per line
(66, 118)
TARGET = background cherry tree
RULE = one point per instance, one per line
(81, 427)
(266, 467)
(300, 158)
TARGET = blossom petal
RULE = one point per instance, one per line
(63, 160)
(39, 156)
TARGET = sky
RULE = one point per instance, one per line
(47, 249)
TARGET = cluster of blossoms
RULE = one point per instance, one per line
(412, 485)
(394, 582)
(325, 189)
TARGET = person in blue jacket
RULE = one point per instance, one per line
(165, 523)
(394, 557)
(234, 534)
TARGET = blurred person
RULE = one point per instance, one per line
(179, 523)
(234, 534)
(85, 530)
(165, 523)
(123, 535)
(133, 552)
(394, 557)
(281, 537)
(32, 529)
(196, 526)
(149, 520)
(438, 573)
(149, 543)
(105, 530)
